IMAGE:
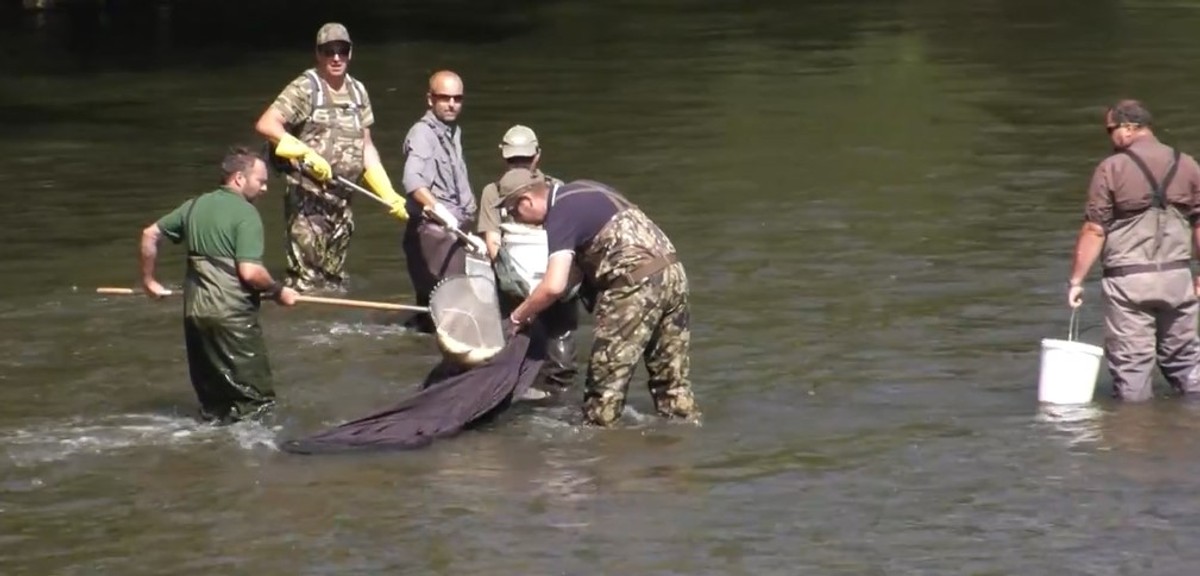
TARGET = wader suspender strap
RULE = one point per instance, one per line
(318, 92)
(650, 267)
(617, 200)
(1159, 200)
(187, 223)
(1160, 191)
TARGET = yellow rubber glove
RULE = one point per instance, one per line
(292, 148)
(381, 185)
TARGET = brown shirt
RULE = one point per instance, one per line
(489, 215)
(1119, 188)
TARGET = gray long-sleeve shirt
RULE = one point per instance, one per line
(434, 160)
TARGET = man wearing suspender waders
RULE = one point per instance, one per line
(635, 285)
(223, 289)
(320, 125)
(1141, 221)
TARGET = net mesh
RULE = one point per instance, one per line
(466, 312)
(477, 266)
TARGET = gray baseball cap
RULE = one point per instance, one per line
(519, 141)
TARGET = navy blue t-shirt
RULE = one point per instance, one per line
(572, 221)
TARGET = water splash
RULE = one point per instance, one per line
(59, 440)
(325, 334)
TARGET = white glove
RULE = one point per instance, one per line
(477, 244)
(442, 213)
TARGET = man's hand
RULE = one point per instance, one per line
(443, 215)
(1075, 295)
(476, 244)
(292, 148)
(512, 327)
(1196, 285)
(287, 297)
(154, 290)
(378, 180)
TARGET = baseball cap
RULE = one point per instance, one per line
(519, 141)
(333, 32)
(516, 181)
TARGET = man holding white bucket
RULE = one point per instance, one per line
(518, 252)
(1141, 221)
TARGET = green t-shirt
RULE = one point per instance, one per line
(225, 225)
(224, 230)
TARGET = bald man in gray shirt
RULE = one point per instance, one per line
(439, 193)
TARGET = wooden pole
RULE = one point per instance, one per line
(370, 304)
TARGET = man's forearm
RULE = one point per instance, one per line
(538, 300)
(554, 282)
(370, 156)
(492, 239)
(149, 251)
(1087, 249)
(270, 125)
(425, 197)
(1196, 241)
(255, 276)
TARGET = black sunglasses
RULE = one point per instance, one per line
(448, 97)
(334, 49)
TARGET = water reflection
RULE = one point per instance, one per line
(1163, 428)
(1074, 425)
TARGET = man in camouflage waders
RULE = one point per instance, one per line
(222, 291)
(519, 148)
(635, 285)
(321, 122)
(1141, 220)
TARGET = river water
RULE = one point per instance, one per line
(876, 204)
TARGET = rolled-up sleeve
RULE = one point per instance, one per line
(489, 215)
(419, 163)
(1099, 208)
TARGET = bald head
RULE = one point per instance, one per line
(445, 81)
(445, 96)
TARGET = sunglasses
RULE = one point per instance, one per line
(448, 97)
(334, 49)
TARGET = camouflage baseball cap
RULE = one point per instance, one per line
(519, 141)
(333, 32)
(516, 181)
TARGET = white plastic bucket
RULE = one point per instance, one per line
(527, 246)
(1068, 372)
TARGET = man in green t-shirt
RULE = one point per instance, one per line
(225, 282)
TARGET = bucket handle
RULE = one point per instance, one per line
(1073, 326)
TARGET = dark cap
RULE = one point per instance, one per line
(515, 182)
(333, 32)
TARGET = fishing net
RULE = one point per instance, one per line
(466, 312)
(446, 405)
(478, 266)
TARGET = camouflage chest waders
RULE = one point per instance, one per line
(641, 312)
(227, 356)
(1150, 306)
(320, 221)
